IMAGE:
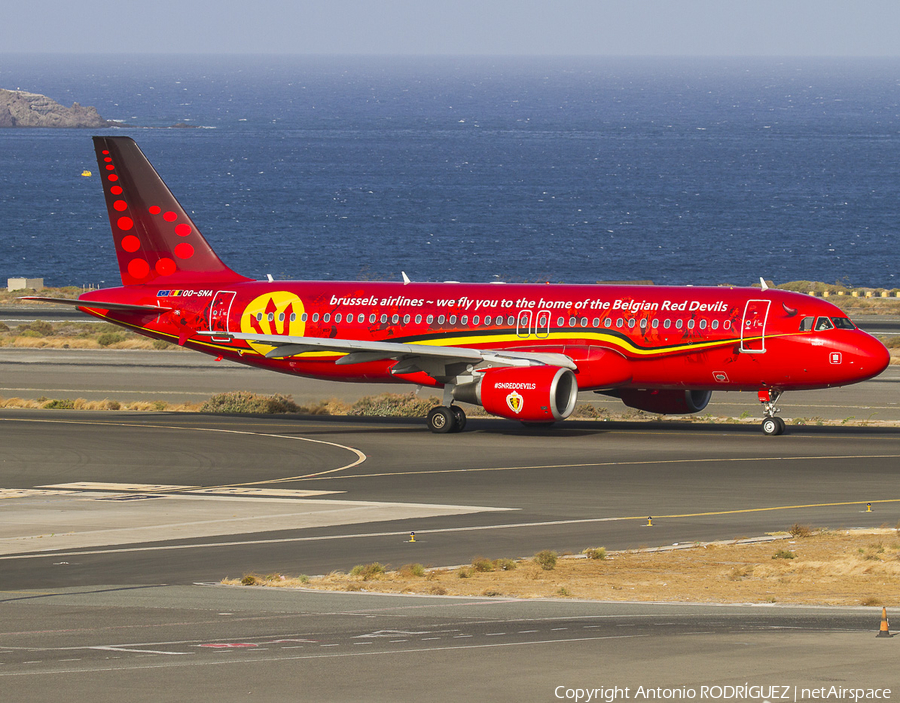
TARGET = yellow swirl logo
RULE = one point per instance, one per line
(279, 314)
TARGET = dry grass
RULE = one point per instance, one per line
(855, 567)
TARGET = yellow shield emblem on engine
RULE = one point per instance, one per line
(515, 401)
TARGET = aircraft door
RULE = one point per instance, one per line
(523, 324)
(218, 311)
(753, 327)
(542, 324)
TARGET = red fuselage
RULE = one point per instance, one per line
(671, 337)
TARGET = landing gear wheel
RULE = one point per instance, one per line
(441, 420)
(773, 426)
(459, 417)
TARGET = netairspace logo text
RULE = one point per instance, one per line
(767, 693)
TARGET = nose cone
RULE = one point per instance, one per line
(871, 356)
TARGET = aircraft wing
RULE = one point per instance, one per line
(360, 351)
(98, 304)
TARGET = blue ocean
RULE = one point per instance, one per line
(686, 171)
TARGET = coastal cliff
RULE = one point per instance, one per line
(21, 109)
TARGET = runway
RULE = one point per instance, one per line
(110, 522)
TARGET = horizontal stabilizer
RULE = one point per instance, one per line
(98, 304)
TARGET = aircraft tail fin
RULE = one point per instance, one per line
(156, 241)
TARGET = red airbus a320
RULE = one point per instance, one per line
(522, 352)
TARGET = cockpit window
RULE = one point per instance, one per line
(823, 323)
(806, 324)
(843, 323)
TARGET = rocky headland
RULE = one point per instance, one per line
(19, 108)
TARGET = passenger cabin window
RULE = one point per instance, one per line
(429, 319)
(337, 318)
(315, 317)
(418, 319)
(823, 323)
(441, 320)
(395, 319)
(843, 323)
(383, 318)
(475, 321)
(326, 317)
(372, 318)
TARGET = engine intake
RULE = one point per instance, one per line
(665, 402)
(533, 394)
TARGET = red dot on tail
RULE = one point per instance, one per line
(165, 267)
(120, 205)
(108, 160)
(184, 250)
(182, 230)
(138, 268)
(170, 216)
(131, 243)
(105, 151)
(110, 167)
(116, 190)
(155, 209)
(125, 223)
(113, 177)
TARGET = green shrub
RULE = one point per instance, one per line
(109, 338)
(506, 564)
(412, 570)
(394, 405)
(244, 402)
(250, 580)
(4, 327)
(41, 327)
(784, 554)
(546, 559)
(483, 565)
(595, 553)
(60, 404)
(367, 571)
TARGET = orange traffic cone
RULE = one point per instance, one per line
(884, 630)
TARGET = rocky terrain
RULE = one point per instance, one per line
(22, 109)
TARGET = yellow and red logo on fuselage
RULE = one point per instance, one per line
(277, 313)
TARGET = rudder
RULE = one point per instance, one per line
(156, 241)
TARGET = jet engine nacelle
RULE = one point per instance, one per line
(532, 394)
(666, 402)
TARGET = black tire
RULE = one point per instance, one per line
(772, 426)
(441, 420)
(459, 417)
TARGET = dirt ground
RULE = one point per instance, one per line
(856, 567)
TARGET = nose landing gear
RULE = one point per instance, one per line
(771, 425)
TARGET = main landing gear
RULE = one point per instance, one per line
(771, 425)
(443, 419)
